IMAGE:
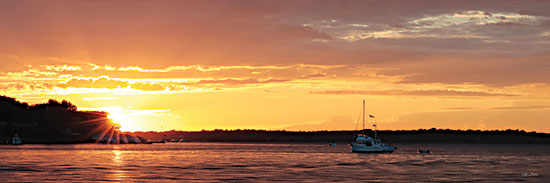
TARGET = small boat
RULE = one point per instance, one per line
(16, 140)
(331, 144)
(364, 143)
(427, 151)
(174, 141)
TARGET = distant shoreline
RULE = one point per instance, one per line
(401, 136)
(442, 136)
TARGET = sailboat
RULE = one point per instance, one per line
(16, 140)
(364, 143)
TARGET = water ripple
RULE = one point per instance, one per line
(239, 162)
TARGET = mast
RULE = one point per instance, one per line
(363, 117)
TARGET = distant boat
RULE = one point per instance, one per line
(177, 141)
(331, 144)
(16, 140)
(364, 143)
(183, 140)
(423, 151)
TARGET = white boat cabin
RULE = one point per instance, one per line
(365, 143)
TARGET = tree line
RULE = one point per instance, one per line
(51, 103)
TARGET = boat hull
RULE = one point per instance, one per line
(362, 148)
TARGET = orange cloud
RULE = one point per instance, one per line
(102, 82)
(148, 86)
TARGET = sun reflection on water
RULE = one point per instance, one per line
(118, 164)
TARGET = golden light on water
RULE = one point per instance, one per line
(118, 173)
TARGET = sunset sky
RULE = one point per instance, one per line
(294, 65)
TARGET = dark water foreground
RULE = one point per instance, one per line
(236, 162)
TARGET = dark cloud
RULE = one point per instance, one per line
(514, 70)
(501, 108)
(460, 108)
(530, 120)
(523, 107)
(334, 122)
(241, 81)
(313, 75)
(166, 32)
(413, 93)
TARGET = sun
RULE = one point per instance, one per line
(117, 119)
(124, 120)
